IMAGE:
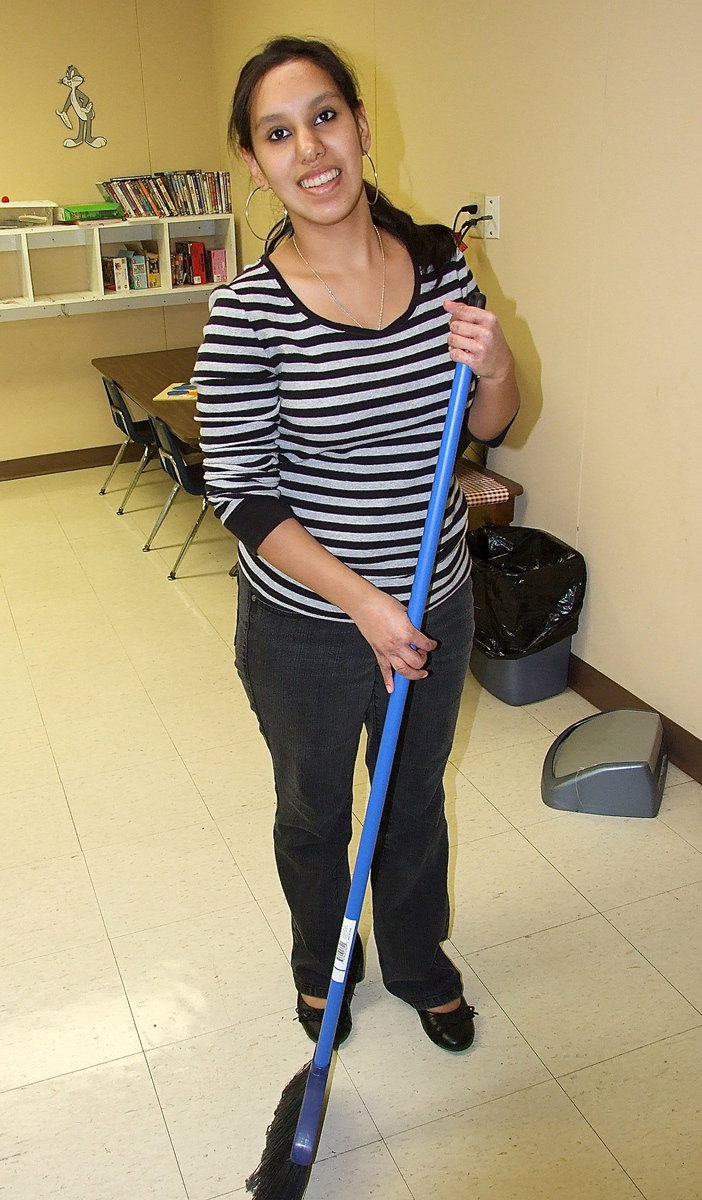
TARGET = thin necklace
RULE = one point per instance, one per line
(338, 302)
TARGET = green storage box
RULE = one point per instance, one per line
(104, 211)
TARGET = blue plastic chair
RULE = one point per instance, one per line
(138, 432)
(186, 475)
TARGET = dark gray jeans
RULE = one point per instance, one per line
(313, 684)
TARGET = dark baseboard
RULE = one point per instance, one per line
(65, 460)
(684, 749)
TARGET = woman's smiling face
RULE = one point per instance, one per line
(308, 144)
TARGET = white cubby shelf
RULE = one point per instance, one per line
(54, 270)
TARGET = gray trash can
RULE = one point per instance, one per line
(529, 588)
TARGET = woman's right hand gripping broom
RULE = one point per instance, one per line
(397, 645)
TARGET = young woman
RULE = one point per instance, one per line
(323, 382)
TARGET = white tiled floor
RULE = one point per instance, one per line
(146, 999)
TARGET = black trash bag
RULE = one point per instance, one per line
(528, 588)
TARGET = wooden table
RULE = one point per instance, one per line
(143, 376)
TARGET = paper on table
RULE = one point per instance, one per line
(178, 391)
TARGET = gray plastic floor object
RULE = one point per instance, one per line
(610, 764)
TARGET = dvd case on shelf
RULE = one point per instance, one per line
(169, 193)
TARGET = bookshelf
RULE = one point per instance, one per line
(54, 270)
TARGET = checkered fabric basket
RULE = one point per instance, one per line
(478, 488)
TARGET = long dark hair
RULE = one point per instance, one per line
(428, 245)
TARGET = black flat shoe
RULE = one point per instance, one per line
(311, 1020)
(450, 1030)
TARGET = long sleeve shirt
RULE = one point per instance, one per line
(336, 425)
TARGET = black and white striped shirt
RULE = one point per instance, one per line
(337, 425)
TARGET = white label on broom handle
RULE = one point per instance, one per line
(343, 949)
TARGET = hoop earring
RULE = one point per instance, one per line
(375, 178)
(249, 198)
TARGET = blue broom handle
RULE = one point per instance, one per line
(395, 710)
(311, 1110)
(310, 1118)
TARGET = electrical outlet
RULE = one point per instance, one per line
(492, 210)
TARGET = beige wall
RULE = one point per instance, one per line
(147, 69)
(584, 117)
(596, 130)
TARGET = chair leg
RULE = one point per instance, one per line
(117, 460)
(148, 454)
(188, 540)
(161, 518)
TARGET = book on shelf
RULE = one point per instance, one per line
(197, 262)
(108, 274)
(153, 268)
(216, 266)
(169, 193)
(179, 269)
(119, 264)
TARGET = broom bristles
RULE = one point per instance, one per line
(276, 1177)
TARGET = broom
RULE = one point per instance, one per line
(292, 1137)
